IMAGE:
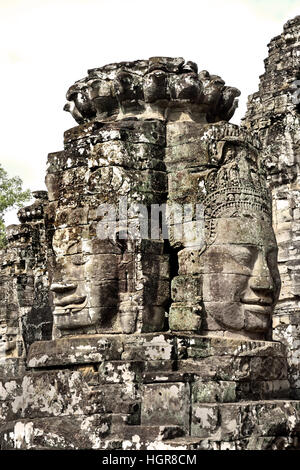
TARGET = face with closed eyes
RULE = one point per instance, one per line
(86, 283)
(241, 282)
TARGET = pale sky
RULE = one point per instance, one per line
(46, 45)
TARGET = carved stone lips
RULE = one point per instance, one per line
(69, 304)
(62, 287)
(258, 307)
(68, 300)
(266, 302)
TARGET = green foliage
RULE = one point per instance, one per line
(2, 234)
(11, 197)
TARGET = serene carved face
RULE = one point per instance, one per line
(241, 281)
(87, 279)
(8, 343)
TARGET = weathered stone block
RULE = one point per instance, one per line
(205, 420)
(233, 421)
(186, 289)
(217, 368)
(120, 371)
(84, 432)
(153, 318)
(52, 393)
(268, 368)
(183, 316)
(166, 404)
(149, 347)
(211, 392)
(75, 350)
(122, 398)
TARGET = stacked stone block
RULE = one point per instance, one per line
(150, 391)
(25, 304)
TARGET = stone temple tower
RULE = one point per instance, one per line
(162, 271)
(273, 116)
(124, 155)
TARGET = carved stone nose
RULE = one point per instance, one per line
(262, 290)
(264, 283)
(59, 288)
(262, 278)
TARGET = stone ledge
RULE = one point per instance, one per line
(251, 443)
(247, 425)
(83, 432)
(203, 346)
(148, 346)
(75, 350)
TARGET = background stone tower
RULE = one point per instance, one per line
(274, 116)
(25, 311)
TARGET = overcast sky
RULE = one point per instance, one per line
(45, 45)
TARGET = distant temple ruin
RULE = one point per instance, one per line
(150, 299)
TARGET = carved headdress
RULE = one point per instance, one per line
(236, 185)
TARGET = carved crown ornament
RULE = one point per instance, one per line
(235, 185)
(160, 88)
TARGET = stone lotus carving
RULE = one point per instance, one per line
(35, 211)
(162, 88)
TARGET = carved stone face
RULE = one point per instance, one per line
(8, 341)
(88, 278)
(241, 281)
